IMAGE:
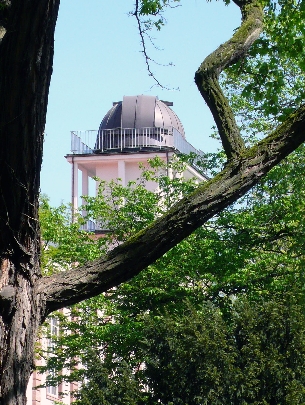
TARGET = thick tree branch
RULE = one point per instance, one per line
(127, 260)
(208, 73)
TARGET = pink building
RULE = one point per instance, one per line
(133, 131)
(52, 394)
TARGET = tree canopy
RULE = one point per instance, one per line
(218, 319)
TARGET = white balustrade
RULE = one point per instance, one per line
(122, 139)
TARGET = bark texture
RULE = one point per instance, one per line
(208, 73)
(26, 53)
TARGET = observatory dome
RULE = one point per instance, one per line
(137, 112)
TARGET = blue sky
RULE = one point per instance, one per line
(98, 60)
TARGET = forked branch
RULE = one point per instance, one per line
(208, 73)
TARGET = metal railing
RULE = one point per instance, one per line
(181, 145)
(80, 141)
(90, 226)
(130, 138)
(124, 139)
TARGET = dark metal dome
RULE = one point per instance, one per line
(141, 112)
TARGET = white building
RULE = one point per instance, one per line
(133, 130)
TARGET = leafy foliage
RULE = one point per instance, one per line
(64, 244)
(255, 356)
(269, 84)
(154, 9)
(218, 304)
(201, 357)
(124, 210)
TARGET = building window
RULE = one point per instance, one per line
(53, 334)
(52, 390)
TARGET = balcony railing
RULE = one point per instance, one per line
(129, 139)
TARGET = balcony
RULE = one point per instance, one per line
(130, 140)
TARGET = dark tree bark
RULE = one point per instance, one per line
(26, 53)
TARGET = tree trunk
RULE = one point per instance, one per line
(26, 54)
(19, 322)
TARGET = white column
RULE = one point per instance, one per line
(170, 173)
(85, 184)
(85, 187)
(122, 171)
(74, 185)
